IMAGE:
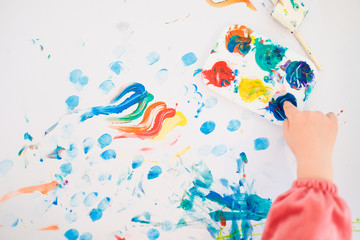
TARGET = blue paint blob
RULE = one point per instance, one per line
(75, 76)
(152, 58)
(162, 75)
(88, 143)
(72, 102)
(116, 67)
(219, 150)
(83, 80)
(108, 154)
(95, 214)
(261, 143)
(137, 162)
(90, 199)
(104, 140)
(299, 74)
(104, 204)
(86, 236)
(207, 127)
(66, 168)
(276, 105)
(71, 217)
(27, 136)
(5, 166)
(72, 234)
(233, 125)
(189, 59)
(72, 151)
(154, 172)
(77, 199)
(210, 102)
(106, 86)
(153, 234)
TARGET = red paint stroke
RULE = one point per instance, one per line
(43, 188)
(146, 149)
(223, 221)
(243, 39)
(220, 75)
(229, 2)
(50, 228)
(119, 238)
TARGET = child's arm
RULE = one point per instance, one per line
(311, 209)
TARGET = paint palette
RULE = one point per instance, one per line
(257, 73)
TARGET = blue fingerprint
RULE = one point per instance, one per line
(153, 234)
(152, 57)
(106, 86)
(261, 143)
(108, 154)
(219, 150)
(166, 225)
(207, 127)
(189, 59)
(104, 204)
(5, 166)
(66, 168)
(86, 236)
(233, 125)
(116, 67)
(137, 162)
(72, 102)
(72, 234)
(83, 80)
(90, 199)
(104, 140)
(162, 75)
(27, 136)
(77, 199)
(88, 143)
(104, 176)
(210, 102)
(71, 217)
(95, 214)
(72, 151)
(75, 76)
(154, 172)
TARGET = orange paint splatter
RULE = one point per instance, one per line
(244, 175)
(229, 2)
(50, 228)
(43, 188)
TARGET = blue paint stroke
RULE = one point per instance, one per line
(104, 140)
(308, 91)
(261, 143)
(71, 216)
(108, 154)
(219, 150)
(5, 166)
(72, 102)
(90, 199)
(72, 234)
(153, 234)
(152, 57)
(95, 214)
(106, 86)
(104, 204)
(77, 199)
(299, 74)
(189, 59)
(51, 128)
(207, 127)
(27, 136)
(66, 168)
(75, 76)
(162, 75)
(210, 102)
(116, 67)
(88, 143)
(233, 125)
(154, 172)
(197, 71)
(86, 236)
(137, 162)
(276, 105)
(241, 162)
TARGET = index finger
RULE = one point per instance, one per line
(289, 109)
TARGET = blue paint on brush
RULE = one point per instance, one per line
(189, 59)
(66, 168)
(72, 234)
(108, 154)
(207, 127)
(72, 102)
(27, 136)
(75, 76)
(5, 166)
(88, 143)
(77, 199)
(261, 143)
(219, 150)
(152, 57)
(154, 172)
(104, 140)
(116, 67)
(233, 125)
(90, 199)
(106, 86)
(95, 214)
(104, 204)
(153, 234)
(137, 162)
(86, 236)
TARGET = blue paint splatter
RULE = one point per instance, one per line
(72, 102)
(71, 217)
(189, 59)
(66, 168)
(104, 140)
(76, 199)
(108, 154)
(137, 162)
(219, 150)
(233, 125)
(95, 214)
(153, 234)
(72, 234)
(90, 199)
(116, 67)
(162, 75)
(88, 143)
(86, 236)
(5, 166)
(152, 58)
(72, 151)
(197, 71)
(261, 143)
(207, 127)
(106, 86)
(154, 172)
(75, 76)
(104, 204)
(210, 102)
(27, 136)
(276, 105)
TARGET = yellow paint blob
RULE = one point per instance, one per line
(251, 89)
(169, 124)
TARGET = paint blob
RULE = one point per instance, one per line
(261, 143)
(220, 75)
(153, 234)
(104, 140)
(95, 214)
(154, 172)
(299, 74)
(66, 168)
(252, 89)
(207, 127)
(238, 40)
(108, 154)
(189, 59)
(268, 56)
(72, 234)
(276, 105)
(233, 125)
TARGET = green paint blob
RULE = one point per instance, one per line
(268, 56)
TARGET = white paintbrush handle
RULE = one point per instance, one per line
(307, 49)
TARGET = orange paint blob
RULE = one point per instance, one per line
(50, 228)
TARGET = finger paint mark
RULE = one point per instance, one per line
(162, 75)
(56, 154)
(238, 40)
(90, 199)
(268, 56)
(220, 75)
(104, 140)
(229, 2)
(77, 77)
(169, 124)
(252, 89)
(153, 234)
(207, 127)
(137, 162)
(299, 74)
(210, 102)
(77, 199)
(181, 152)
(88, 143)
(95, 214)
(108, 154)
(106, 86)
(116, 67)
(154, 172)
(5, 166)
(276, 105)
(71, 216)
(85, 236)
(189, 59)
(233, 125)
(50, 228)
(261, 143)
(152, 57)
(72, 234)
(219, 150)
(104, 204)
(43, 188)
(66, 168)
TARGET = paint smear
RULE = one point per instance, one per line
(27, 136)
(169, 124)
(276, 105)
(56, 154)
(106, 86)
(229, 2)
(261, 143)
(189, 59)
(238, 40)
(50, 228)
(104, 204)
(77, 199)
(108, 154)
(197, 71)
(72, 234)
(152, 57)
(251, 89)
(43, 188)
(154, 172)
(162, 75)
(207, 127)
(233, 125)
(299, 74)
(88, 143)
(66, 168)
(220, 75)
(153, 234)
(268, 56)
(116, 67)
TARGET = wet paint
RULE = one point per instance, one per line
(116, 67)
(220, 75)
(72, 234)
(154, 172)
(268, 56)
(233, 125)
(189, 59)
(152, 57)
(261, 143)
(229, 2)
(252, 89)
(299, 74)
(207, 127)
(238, 39)
(276, 105)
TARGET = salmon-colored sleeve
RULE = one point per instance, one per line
(311, 209)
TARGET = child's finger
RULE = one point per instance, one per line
(289, 109)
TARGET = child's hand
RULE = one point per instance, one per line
(311, 137)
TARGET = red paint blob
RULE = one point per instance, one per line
(220, 75)
(223, 221)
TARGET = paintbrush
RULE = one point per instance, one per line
(290, 13)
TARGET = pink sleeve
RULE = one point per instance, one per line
(311, 209)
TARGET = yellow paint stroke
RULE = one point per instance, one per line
(181, 152)
(251, 89)
(229, 2)
(170, 123)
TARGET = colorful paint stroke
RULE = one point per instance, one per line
(252, 71)
(225, 3)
